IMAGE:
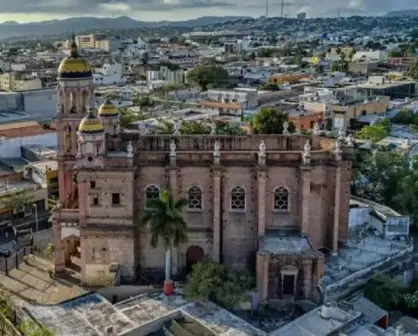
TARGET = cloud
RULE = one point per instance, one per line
(136, 8)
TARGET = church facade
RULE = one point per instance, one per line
(264, 202)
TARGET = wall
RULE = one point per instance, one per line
(41, 102)
(11, 147)
(358, 217)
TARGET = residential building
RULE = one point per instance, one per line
(110, 74)
(96, 41)
(362, 68)
(290, 78)
(167, 75)
(301, 16)
(10, 81)
(391, 87)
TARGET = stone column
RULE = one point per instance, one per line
(216, 253)
(74, 138)
(82, 204)
(336, 209)
(58, 245)
(262, 180)
(306, 195)
(307, 278)
(172, 173)
(262, 266)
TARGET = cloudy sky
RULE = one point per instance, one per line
(155, 10)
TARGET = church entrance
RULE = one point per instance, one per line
(288, 284)
(194, 255)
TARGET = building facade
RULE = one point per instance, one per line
(254, 202)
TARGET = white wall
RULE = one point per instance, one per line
(358, 217)
(11, 147)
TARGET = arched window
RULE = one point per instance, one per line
(152, 193)
(238, 198)
(281, 199)
(194, 198)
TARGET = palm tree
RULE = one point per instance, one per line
(165, 222)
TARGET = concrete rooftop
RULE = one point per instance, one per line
(90, 314)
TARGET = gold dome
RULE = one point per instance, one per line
(108, 110)
(74, 67)
(90, 124)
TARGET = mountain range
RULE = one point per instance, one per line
(81, 24)
(405, 12)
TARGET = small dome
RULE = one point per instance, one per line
(108, 110)
(74, 66)
(91, 124)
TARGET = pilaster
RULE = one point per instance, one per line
(172, 175)
(305, 201)
(58, 246)
(262, 180)
(217, 175)
(262, 266)
(82, 204)
(336, 208)
(307, 278)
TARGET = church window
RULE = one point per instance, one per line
(95, 201)
(194, 198)
(238, 198)
(152, 194)
(92, 184)
(281, 199)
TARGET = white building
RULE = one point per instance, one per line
(166, 75)
(110, 74)
(376, 55)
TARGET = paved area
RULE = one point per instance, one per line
(32, 284)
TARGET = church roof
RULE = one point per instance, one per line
(90, 124)
(74, 66)
(108, 110)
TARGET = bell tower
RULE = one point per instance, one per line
(75, 94)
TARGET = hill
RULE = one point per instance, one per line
(405, 12)
(56, 27)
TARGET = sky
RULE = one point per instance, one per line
(174, 10)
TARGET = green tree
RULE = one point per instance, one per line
(165, 222)
(228, 128)
(412, 69)
(18, 201)
(195, 127)
(383, 291)
(204, 280)
(210, 280)
(270, 120)
(6, 312)
(50, 250)
(376, 132)
(128, 118)
(269, 87)
(164, 126)
(30, 328)
(405, 116)
(205, 75)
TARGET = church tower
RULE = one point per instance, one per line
(75, 97)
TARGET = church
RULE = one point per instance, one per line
(267, 203)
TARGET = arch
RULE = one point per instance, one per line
(152, 193)
(73, 100)
(194, 254)
(281, 199)
(194, 198)
(238, 198)
(67, 139)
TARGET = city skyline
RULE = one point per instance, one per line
(175, 10)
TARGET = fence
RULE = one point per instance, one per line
(14, 261)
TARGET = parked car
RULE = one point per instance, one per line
(5, 253)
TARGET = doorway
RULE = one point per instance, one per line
(288, 284)
(194, 255)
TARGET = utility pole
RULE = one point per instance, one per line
(267, 9)
(282, 8)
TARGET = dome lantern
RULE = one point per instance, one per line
(90, 125)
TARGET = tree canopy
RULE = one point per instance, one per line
(377, 131)
(270, 120)
(210, 280)
(208, 75)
